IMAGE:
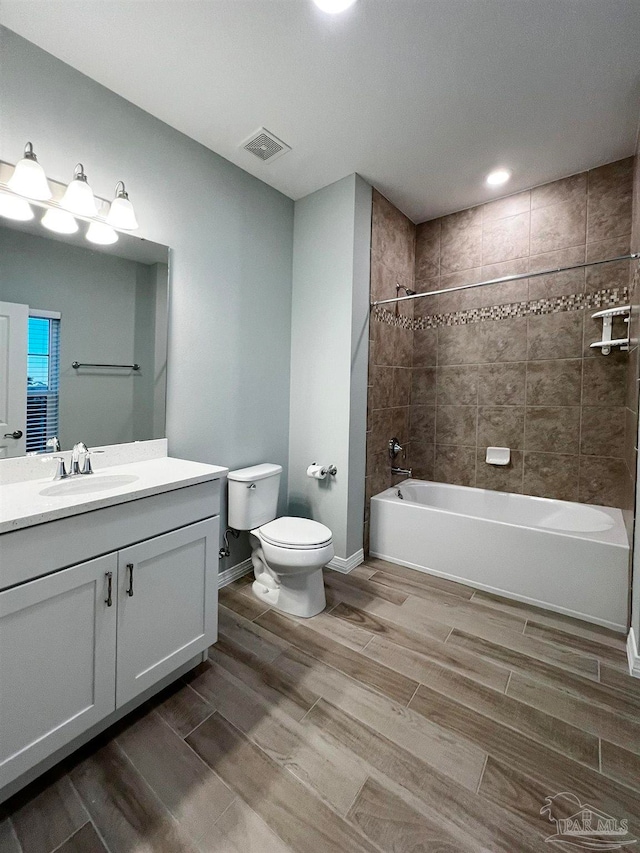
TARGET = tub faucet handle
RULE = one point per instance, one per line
(394, 447)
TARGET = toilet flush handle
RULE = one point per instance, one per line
(251, 486)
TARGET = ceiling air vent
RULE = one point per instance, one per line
(265, 145)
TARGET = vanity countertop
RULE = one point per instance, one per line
(31, 502)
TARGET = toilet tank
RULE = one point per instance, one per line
(253, 496)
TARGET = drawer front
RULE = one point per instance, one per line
(36, 551)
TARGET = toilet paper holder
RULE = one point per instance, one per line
(330, 470)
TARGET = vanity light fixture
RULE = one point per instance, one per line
(121, 213)
(498, 177)
(333, 7)
(12, 207)
(29, 178)
(78, 196)
(101, 233)
(59, 221)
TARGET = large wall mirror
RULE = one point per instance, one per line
(83, 340)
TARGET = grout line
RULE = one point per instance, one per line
(352, 803)
(62, 843)
(524, 627)
(600, 754)
(484, 767)
(306, 713)
(413, 695)
(451, 631)
(191, 731)
(224, 811)
(367, 643)
(91, 820)
(506, 687)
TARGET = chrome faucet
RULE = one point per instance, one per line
(80, 462)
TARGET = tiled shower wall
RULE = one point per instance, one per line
(529, 381)
(390, 347)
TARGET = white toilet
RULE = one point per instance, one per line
(288, 553)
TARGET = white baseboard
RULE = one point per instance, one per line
(339, 564)
(234, 572)
(632, 654)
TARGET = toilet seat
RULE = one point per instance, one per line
(299, 534)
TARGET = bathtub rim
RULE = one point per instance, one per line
(619, 525)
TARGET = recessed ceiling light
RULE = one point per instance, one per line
(333, 6)
(497, 178)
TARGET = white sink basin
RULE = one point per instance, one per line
(88, 484)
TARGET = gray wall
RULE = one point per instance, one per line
(332, 232)
(231, 236)
(107, 316)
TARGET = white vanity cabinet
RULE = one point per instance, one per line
(83, 644)
(57, 662)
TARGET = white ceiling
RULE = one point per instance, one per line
(421, 97)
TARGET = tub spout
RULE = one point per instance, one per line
(406, 471)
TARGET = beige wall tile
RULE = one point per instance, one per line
(603, 431)
(505, 239)
(423, 386)
(500, 478)
(461, 249)
(558, 226)
(603, 382)
(551, 475)
(555, 335)
(609, 200)
(554, 382)
(511, 205)
(455, 465)
(501, 426)
(422, 424)
(552, 429)
(572, 190)
(602, 481)
(502, 384)
(457, 385)
(456, 425)
(428, 249)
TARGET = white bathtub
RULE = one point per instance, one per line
(567, 557)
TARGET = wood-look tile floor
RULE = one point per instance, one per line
(414, 714)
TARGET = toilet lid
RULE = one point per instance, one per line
(296, 533)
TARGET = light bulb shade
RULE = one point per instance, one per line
(101, 233)
(78, 196)
(59, 221)
(12, 207)
(121, 213)
(29, 179)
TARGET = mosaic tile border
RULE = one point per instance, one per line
(605, 298)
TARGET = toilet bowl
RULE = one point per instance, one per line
(288, 553)
(288, 557)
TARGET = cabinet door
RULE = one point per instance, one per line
(167, 605)
(57, 662)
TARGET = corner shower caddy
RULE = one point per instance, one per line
(608, 342)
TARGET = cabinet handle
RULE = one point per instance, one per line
(108, 600)
(130, 590)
